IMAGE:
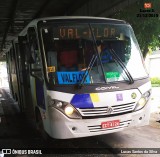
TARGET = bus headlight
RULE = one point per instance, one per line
(142, 101)
(69, 110)
(66, 108)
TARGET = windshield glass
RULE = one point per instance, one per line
(69, 50)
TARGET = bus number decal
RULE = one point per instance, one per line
(51, 69)
(72, 77)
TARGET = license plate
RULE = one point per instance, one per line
(110, 124)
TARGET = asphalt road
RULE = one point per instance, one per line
(16, 133)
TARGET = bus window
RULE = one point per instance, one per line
(75, 51)
(34, 57)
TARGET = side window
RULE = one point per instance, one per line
(34, 57)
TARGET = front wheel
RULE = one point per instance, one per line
(40, 127)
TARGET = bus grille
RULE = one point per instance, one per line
(102, 111)
(97, 128)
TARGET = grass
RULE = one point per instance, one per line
(155, 85)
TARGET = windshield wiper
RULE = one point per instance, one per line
(94, 57)
(116, 57)
(88, 69)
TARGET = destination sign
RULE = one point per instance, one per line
(72, 32)
(72, 77)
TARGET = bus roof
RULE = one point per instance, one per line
(35, 21)
(77, 17)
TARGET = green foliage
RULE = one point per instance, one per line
(147, 29)
(155, 81)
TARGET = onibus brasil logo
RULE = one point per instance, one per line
(20, 152)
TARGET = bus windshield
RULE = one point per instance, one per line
(70, 52)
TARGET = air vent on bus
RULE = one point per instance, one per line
(102, 111)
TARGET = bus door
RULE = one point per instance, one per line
(23, 69)
(19, 70)
(36, 74)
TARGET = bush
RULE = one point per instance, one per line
(155, 80)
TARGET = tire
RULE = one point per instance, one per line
(40, 127)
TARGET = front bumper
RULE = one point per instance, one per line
(63, 127)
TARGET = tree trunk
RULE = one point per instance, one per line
(145, 51)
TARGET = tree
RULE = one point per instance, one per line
(147, 29)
